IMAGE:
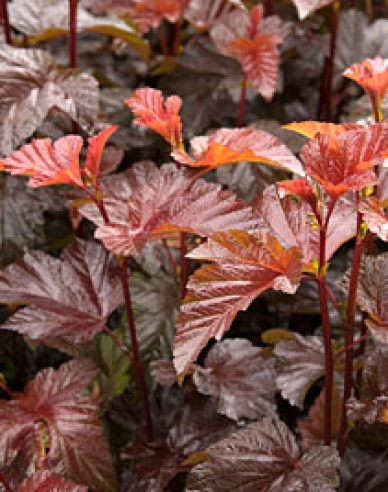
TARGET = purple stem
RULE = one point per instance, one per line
(6, 24)
(73, 4)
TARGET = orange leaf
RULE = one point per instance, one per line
(161, 116)
(371, 75)
(228, 146)
(244, 266)
(311, 128)
(95, 150)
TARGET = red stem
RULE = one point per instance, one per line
(135, 349)
(73, 33)
(5, 482)
(163, 40)
(6, 24)
(184, 263)
(360, 353)
(268, 8)
(359, 341)
(349, 333)
(117, 341)
(241, 104)
(169, 254)
(177, 37)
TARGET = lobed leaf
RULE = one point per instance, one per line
(228, 146)
(165, 200)
(32, 85)
(47, 481)
(265, 456)
(68, 299)
(54, 405)
(311, 129)
(240, 378)
(374, 217)
(244, 266)
(204, 13)
(371, 75)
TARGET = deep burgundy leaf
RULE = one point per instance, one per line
(31, 86)
(227, 146)
(301, 362)
(264, 456)
(244, 266)
(204, 13)
(165, 200)
(68, 299)
(372, 293)
(163, 372)
(47, 481)
(367, 411)
(240, 378)
(253, 41)
(55, 405)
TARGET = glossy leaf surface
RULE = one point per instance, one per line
(265, 456)
(375, 217)
(55, 405)
(165, 200)
(68, 299)
(244, 266)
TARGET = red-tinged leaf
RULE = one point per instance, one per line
(253, 41)
(245, 265)
(310, 129)
(165, 200)
(312, 428)
(372, 293)
(301, 362)
(371, 75)
(32, 85)
(299, 187)
(265, 457)
(68, 299)
(48, 163)
(240, 378)
(47, 481)
(54, 406)
(204, 13)
(227, 146)
(343, 163)
(95, 150)
(161, 116)
(374, 217)
(367, 411)
(306, 7)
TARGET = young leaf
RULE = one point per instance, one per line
(306, 7)
(372, 292)
(47, 481)
(68, 299)
(374, 217)
(58, 163)
(301, 362)
(244, 266)
(54, 406)
(227, 146)
(371, 75)
(310, 129)
(161, 116)
(239, 378)
(253, 41)
(166, 200)
(32, 85)
(343, 163)
(265, 456)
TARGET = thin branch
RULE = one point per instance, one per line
(5, 482)
(73, 5)
(6, 24)
(242, 101)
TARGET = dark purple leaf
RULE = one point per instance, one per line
(47, 481)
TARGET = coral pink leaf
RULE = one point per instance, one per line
(310, 129)
(47, 481)
(228, 146)
(343, 162)
(204, 13)
(374, 216)
(68, 299)
(47, 163)
(160, 115)
(253, 41)
(299, 187)
(371, 75)
(306, 7)
(166, 200)
(57, 401)
(244, 266)
(95, 150)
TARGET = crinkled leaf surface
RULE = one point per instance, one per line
(21, 216)
(301, 362)
(343, 163)
(367, 411)
(47, 481)
(244, 266)
(161, 116)
(204, 13)
(54, 405)
(32, 85)
(240, 378)
(227, 146)
(68, 299)
(264, 456)
(166, 200)
(372, 293)
(306, 7)
(43, 20)
(253, 41)
(374, 217)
